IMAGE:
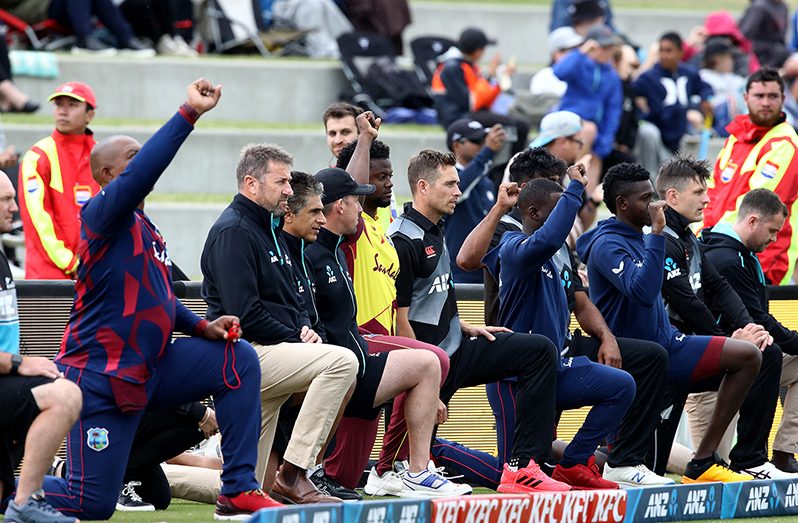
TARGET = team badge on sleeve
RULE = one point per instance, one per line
(82, 194)
(31, 184)
(769, 170)
(97, 438)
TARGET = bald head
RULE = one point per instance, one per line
(110, 157)
(8, 204)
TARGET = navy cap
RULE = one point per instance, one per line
(339, 183)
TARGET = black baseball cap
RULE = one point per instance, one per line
(465, 129)
(472, 39)
(339, 183)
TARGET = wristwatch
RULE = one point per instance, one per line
(16, 361)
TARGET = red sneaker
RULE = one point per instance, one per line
(528, 479)
(583, 477)
(241, 506)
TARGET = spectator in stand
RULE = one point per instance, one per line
(340, 126)
(759, 153)
(718, 72)
(460, 91)
(55, 177)
(626, 64)
(580, 14)
(733, 249)
(77, 15)
(765, 24)
(12, 98)
(386, 17)
(595, 93)
(721, 26)
(669, 93)
(561, 41)
(474, 148)
(322, 19)
(155, 20)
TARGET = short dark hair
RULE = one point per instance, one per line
(305, 186)
(766, 74)
(377, 151)
(619, 179)
(678, 171)
(425, 166)
(535, 163)
(537, 192)
(762, 201)
(672, 37)
(339, 110)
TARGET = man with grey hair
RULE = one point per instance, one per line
(247, 268)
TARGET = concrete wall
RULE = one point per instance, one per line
(206, 162)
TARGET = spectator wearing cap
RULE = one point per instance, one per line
(459, 89)
(560, 133)
(594, 93)
(580, 14)
(55, 181)
(474, 147)
(561, 41)
(670, 93)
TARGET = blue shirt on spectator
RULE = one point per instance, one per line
(477, 199)
(670, 95)
(595, 93)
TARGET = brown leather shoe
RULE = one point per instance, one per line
(302, 492)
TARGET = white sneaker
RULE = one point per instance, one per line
(637, 476)
(768, 470)
(430, 484)
(389, 484)
(184, 48)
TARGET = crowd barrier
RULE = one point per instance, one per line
(706, 501)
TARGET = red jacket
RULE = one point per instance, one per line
(756, 157)
(54, 182)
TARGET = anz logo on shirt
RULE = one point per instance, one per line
(331, 277)
(673, 270)
(565, 279)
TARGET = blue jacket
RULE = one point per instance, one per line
(531, 294)
(477, 199)
(625, 271)
(669, 96)
(595, 93)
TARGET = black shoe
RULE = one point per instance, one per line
(785, 461)
(92, 46)
(129, 501)
(135, 47)
(327, 485)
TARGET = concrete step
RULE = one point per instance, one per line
(206, 162)
(298, 90)
(255, 90)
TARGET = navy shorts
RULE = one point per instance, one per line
(362, 403)
(694, 358)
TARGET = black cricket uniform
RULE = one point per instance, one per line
(424, 284)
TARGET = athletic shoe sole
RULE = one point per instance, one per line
(125, 508)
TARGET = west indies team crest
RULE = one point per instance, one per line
(97, 438)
